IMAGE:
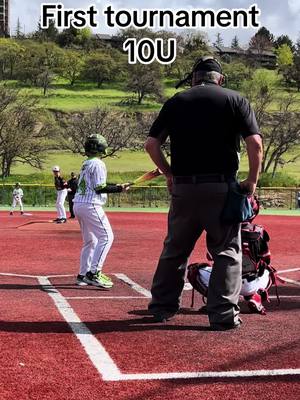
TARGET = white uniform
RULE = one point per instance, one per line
(60, 203)
(95, 228)
(17, 199)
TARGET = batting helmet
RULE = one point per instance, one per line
(95, 144)
(56, 168)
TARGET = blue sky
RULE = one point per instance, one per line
(280, 17)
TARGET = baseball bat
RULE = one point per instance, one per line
(146, 177)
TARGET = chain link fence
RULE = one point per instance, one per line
(144, 197)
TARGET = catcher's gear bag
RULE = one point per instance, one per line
(95, 144)
(257, 273)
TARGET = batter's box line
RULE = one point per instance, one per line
(106, 366)
(108, 369)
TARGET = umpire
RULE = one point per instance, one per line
(72, 187)
(204, 124)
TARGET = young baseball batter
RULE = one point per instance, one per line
(61, 193)
(17, 199)
(95, 228)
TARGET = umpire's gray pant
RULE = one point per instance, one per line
(195, 208)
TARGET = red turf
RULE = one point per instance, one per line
(42, 359)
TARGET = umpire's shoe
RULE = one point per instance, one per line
(225, 327)
(163, 315)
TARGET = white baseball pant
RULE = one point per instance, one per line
(60, 203)
(97, 236)
(16, 201)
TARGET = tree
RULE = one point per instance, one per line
(39, 64)
(19, 33)
(235, 43)
(46, 34)
(10, 54)
(236, 73)
(281, 130)
(194, 42)
(118, 128)
(261, 41)
(295, 71)
(99, 68)
(219, 40)
(72, 65)
(24, 131)
(281, 137)
(145, 80)
(285, 61)
(284, 39)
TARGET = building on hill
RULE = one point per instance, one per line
(264, 58)
(108, 40)
(4, 18)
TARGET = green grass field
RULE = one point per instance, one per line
(127, 165)
(84, 96)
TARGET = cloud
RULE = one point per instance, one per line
(294, 6)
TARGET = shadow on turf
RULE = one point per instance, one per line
(50, 289)
(129, 325)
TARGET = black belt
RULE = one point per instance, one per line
(203, 178)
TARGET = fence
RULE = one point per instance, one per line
(142, 196)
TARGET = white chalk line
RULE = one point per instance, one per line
(109, 371)
(209, 374)
(104, 297)
(287, 280)
(94, 349)
(288, 270)
(124, 278)
(105, 365)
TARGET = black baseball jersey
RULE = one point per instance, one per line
(73, 184)
(205, 124)
(59, 183)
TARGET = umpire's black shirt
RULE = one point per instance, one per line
(205, 124)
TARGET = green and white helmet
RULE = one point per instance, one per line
(95, 144)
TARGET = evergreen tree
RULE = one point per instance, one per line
(235, 43)
(19, 33)
(219, 40)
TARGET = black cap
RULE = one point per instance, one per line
(206, 63)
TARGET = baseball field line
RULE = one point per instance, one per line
(104, 364)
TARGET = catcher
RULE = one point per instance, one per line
(257, 273)
(17, 199)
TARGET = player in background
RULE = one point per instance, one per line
(72, 188)
(61, 192)
(95, 228)
(17, 199)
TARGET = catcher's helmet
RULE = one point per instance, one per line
(95, 144)
(56, 168)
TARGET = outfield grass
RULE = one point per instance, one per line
(84, 96)
(126, 165)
